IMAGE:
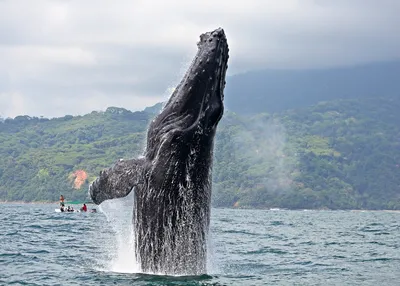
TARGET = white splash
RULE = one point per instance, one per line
(212, 260)
(121, 249)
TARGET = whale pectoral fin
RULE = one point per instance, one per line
(116, 182)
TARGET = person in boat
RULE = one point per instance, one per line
(84, 208)
(62, 204)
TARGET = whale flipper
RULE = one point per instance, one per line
(116, 182)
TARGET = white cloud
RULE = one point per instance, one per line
(126, 50)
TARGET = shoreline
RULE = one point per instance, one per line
(266, 209)
(28, 203)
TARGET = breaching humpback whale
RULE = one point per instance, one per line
(172, 180)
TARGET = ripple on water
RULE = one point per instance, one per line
(255, 247)
(265, 250)
(277, 222)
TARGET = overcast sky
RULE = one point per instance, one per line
(62, 57)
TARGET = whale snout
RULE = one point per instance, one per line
(214, 36)
(213, 47)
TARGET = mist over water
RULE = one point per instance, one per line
(263, 143)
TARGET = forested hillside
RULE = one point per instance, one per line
(42, 158)
(341, 154)
(338, 155)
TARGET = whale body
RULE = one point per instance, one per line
(172, 180)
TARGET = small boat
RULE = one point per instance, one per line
(67, 211)
(75, 211)
(70, 209)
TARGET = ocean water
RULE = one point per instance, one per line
(248, 247)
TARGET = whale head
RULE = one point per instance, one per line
(196, 104)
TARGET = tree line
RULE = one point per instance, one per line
(341, 154)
